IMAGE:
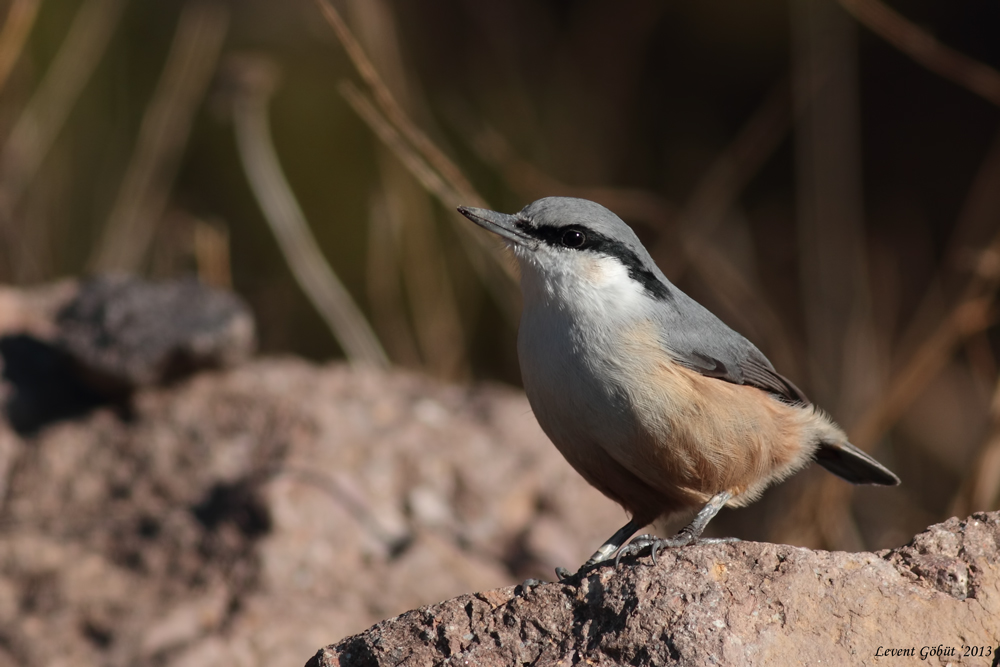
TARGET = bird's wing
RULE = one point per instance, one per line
(700, 341)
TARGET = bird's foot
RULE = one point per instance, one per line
(563, 576)
(570, 578)
(528, 584)
(653, 544)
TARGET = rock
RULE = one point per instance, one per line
(40, 382)
(33, 310)
(68, 347)
(124, 332)
(250, 515)
(729, 604)
(245, 516)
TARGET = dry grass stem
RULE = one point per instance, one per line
(256, 80)
(833, 265)
(976, 224)
(712, 199)
(429, 283)
(385, 293)
(435, 171)
(166, 125)
(939, 58)
(45, 114)
(973, 314)
(17, 27)
(43, 117)
(530, 182)
(730, 173)
(829, 505)
(980, 212)
(483, 251)
(394, 112)
(436, 317)
(733, 170)
(825, 509)
(833, 262)
(980, 489)
(390, 136)
(211, 252)
(969, 317)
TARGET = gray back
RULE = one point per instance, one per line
(691, 334)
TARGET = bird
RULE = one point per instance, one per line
(650, 397)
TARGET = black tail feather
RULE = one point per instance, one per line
(848, 462)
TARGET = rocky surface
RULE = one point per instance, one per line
(249, 516)
(68, 347)
(723, 604)
(123, 332)
(32, 311)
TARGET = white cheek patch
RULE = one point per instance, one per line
(608, 282)
(588, 283)
(592, 269)
(603, 272)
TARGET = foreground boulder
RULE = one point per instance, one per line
(724, 604)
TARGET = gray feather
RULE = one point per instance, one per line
(700, 341)
(689, 332)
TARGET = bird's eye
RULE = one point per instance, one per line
(573, 238)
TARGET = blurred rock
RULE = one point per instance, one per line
(725, 604)
(248, 516)
(32, 311)
(124, 332)
(39, 380)
(41, 384)
(68, 347)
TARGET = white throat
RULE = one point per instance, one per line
(582, 286)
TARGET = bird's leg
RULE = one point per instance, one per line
(690, 533)
(606, 551)
(609, 548)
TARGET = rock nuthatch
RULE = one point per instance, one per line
(648, 395)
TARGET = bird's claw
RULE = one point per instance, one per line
(528, 584)
(640, 544)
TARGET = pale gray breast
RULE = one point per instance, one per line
(566, 379)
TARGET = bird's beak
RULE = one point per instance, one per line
(501, 224)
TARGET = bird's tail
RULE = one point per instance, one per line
(848, 462)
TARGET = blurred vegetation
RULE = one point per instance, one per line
(834, 198)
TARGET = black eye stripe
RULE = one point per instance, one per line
(552, 235)
(596, 242)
